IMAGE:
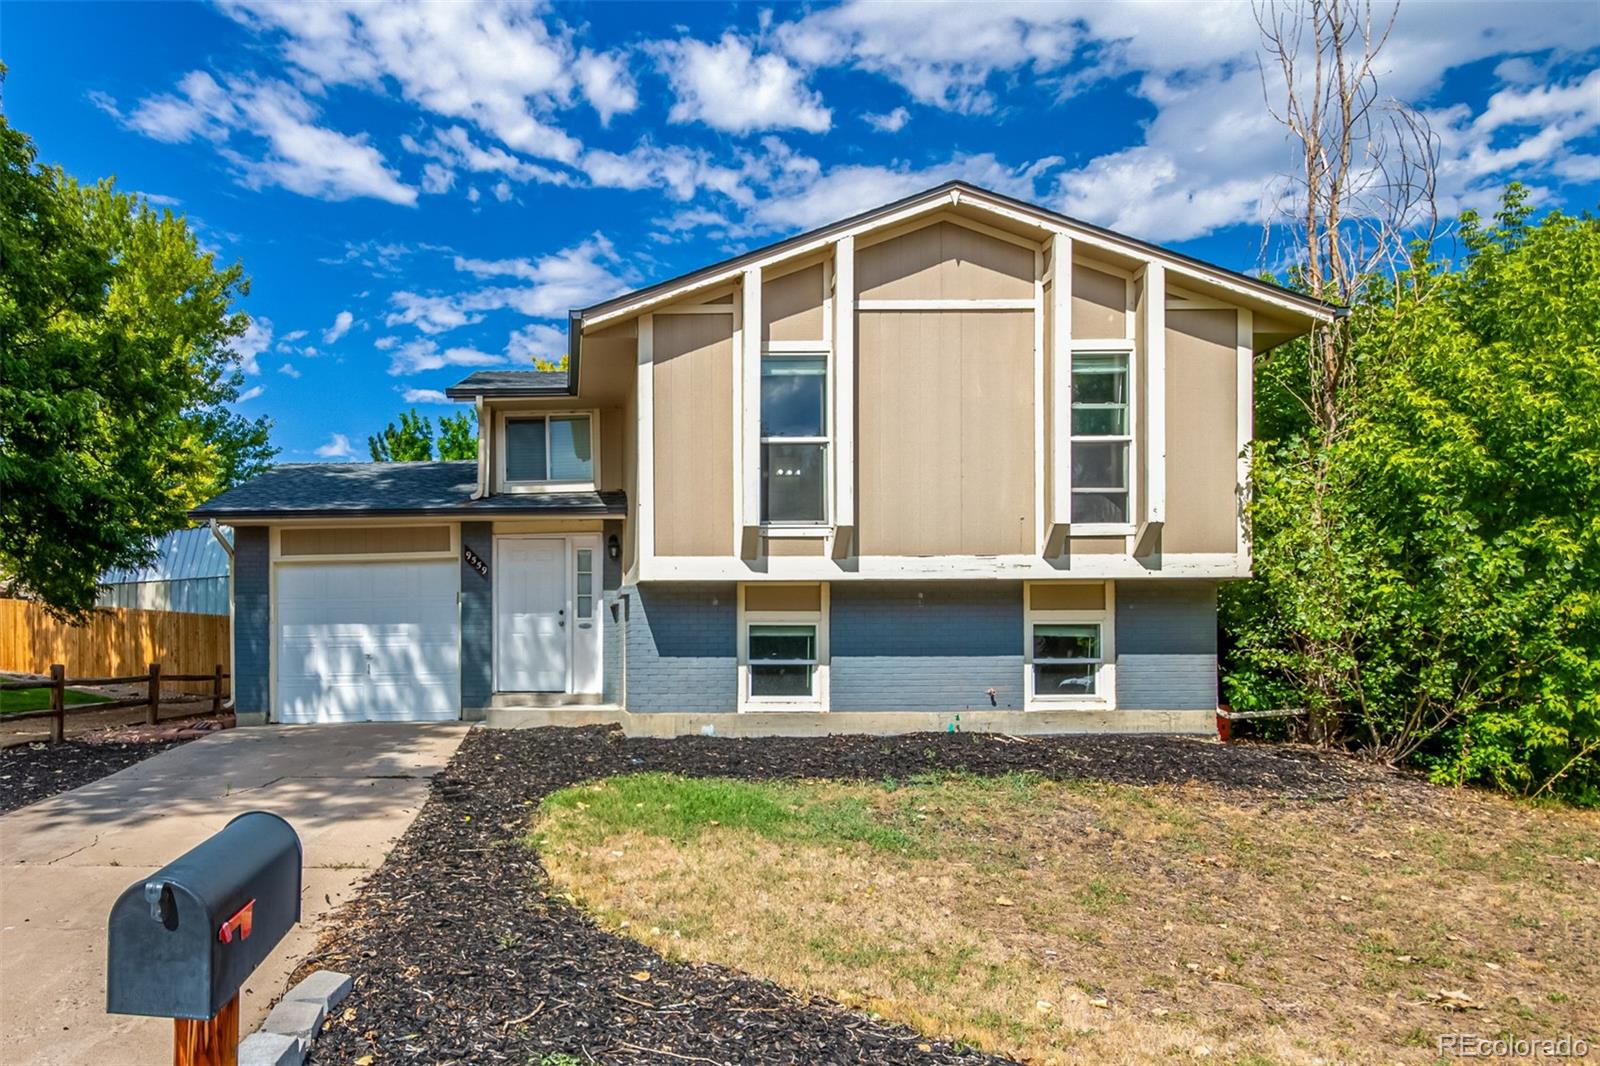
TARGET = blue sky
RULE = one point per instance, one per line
(417, 190)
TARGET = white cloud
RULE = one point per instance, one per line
(341, 325)
(888, 122)
(437, 178)
(728, 87)
(430, 314)
(606, 84)
(574, 277)
(453, 147)
(419, 355)
(338, 447)
(268, 130)
(247, 347)
(502, 191)
(537, 341)
(289, 370)
(251, 393)
(496, 65)
(383, 344)
(425, 396)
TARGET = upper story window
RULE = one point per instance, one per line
(1101, 438)
(794, 439)
(547, 449)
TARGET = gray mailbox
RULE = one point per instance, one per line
(183, 941)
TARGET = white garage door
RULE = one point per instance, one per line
(368, 642)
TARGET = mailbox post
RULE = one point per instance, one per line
(182, 942)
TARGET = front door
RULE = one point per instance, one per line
(530, 599)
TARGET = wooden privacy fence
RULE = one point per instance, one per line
(116, 640)
(151, 701)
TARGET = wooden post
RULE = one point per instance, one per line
(216, 691)
(58, 703)
(153, 712)
(213, 1042)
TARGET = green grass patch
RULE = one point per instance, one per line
(16, 701)
(681, 808)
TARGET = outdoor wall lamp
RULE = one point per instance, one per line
(613, 547)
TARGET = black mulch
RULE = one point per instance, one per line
(32, 772)
(462, 956)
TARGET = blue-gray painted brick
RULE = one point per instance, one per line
(682, 647)
(935, 647)
(1166, 645)
(477, 618)
(252, 619)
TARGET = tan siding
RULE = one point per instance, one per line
(791, 306)
(1099, 304)
(792, 547)
(1072, 597)
(1048, 398)
(945, 433)
(694, 434)
(944, 261)
(611, 448)
(783, 597)
(607, 367)
(1202, 405)
(630, 477)
(364, 540)
(1096, 546)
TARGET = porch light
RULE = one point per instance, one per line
(613, 547)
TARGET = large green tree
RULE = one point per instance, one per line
(115, 376)
(1428, 577)
(413, 439)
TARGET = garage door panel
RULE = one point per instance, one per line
(368, 642)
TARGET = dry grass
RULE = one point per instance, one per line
(1081, 922)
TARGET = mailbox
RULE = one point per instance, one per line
(183, 941)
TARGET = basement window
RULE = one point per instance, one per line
(1070, 654)
(783, 661)
(783, 647)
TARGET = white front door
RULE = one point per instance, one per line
(368, 642)
(530, 604)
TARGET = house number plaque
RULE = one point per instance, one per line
(475, 561)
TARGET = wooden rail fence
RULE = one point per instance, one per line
(116, 640)
(151, 701)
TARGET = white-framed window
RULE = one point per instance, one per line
(583, 583)
(555, 450)
(794, 438)
(1102, 438)
(783, 655)
(1070, 656)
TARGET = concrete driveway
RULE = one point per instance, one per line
(349, 790)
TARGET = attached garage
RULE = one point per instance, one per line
(367, 642)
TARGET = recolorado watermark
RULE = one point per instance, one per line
(1473, 1046)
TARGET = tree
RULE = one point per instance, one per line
(413, 440)
(115, 376)
(1428, 580)
(458, 436)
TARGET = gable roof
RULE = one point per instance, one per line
(960, 192)
(376, 490)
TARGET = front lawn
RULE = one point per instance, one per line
(15, 701)
(1083, 919)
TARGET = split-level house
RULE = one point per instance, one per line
(957, 461)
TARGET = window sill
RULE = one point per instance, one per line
(785, 532)
(755, 704)
(535, 487)
(1100, 529)
(1085, 703)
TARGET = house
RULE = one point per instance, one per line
(955, 456)
(188, 576)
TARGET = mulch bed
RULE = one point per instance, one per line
(32, 772)
(462, 955)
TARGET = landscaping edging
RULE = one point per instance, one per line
(460, 953)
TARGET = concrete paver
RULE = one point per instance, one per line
(349, 791)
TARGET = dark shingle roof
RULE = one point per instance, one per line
(509, 383)
(336, 490)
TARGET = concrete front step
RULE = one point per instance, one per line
(546, 699)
